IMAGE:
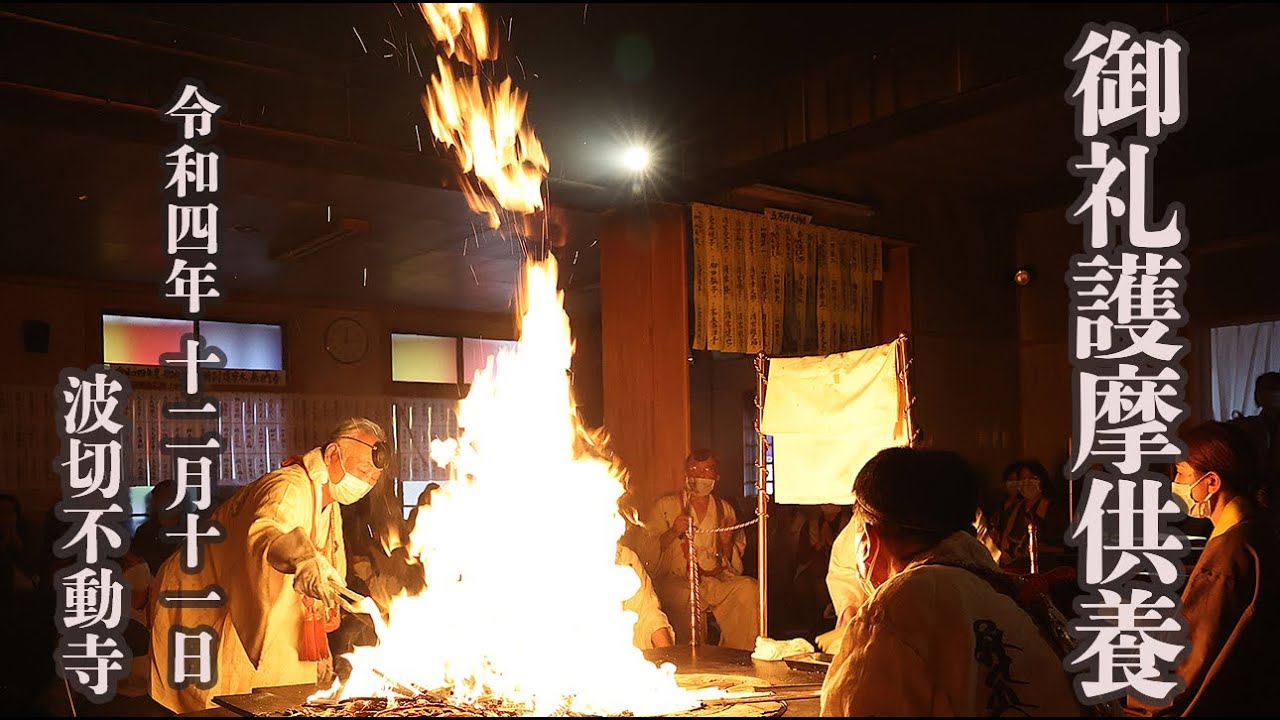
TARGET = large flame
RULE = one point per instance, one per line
(481, 121)
(524, 594)
(461, 27)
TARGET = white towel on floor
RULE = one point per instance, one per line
(769, 649)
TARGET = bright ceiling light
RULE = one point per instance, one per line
(635, 159)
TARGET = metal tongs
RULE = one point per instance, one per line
(353, 602)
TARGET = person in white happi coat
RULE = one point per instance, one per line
(653, 629)
(730, 596)
(845, 585)
(942, 631)
(278, 567)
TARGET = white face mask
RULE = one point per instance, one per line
(1195, 508)
(350, 488)
(1031, 489)
(701, 487)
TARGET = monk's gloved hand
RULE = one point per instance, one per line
(313, 575)
(316, 577)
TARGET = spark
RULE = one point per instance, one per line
(510, 24)
(526, 77)
(418, 135)
(357, 32)
(575, 257)
(366, 277)
(328, 213)
(584, 13)
(397, 7)
(593, 242)
(415, 60)
(473, 274)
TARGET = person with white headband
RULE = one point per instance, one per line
(279, 565)
(942, 631)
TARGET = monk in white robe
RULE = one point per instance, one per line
(283, 548)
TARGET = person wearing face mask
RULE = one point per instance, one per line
(938, 633)
(279, 566)
(726, 593)
(1030, 501)
(1231, 596)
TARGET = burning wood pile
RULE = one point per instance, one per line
(733, 697)
(421, 705)
(431, 705)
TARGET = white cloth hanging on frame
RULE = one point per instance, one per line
(828, 416)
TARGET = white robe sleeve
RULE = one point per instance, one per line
(876, 673)
(670, 559)
(738, 545)
(279, 505)
(842, 570)
(644, 603)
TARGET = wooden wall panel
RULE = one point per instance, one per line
(645, 342)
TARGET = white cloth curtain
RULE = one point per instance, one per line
(828, 416)
(1240, 354)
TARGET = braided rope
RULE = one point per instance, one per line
(731, 528)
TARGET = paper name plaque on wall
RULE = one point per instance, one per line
(788, 216)
(208, 376)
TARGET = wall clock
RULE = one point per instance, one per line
(346, 340)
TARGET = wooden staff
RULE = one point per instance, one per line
(904, 379)
(695, 599)
(762, 499)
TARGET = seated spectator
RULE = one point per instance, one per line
(1037, 506)
(1230, 599)
(940, 633)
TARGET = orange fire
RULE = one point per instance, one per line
(524, 596)
(460, 25)
(483, 123)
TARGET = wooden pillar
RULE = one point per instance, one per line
(895, 293)
(645, 343)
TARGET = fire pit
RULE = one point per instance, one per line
(752, 689)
